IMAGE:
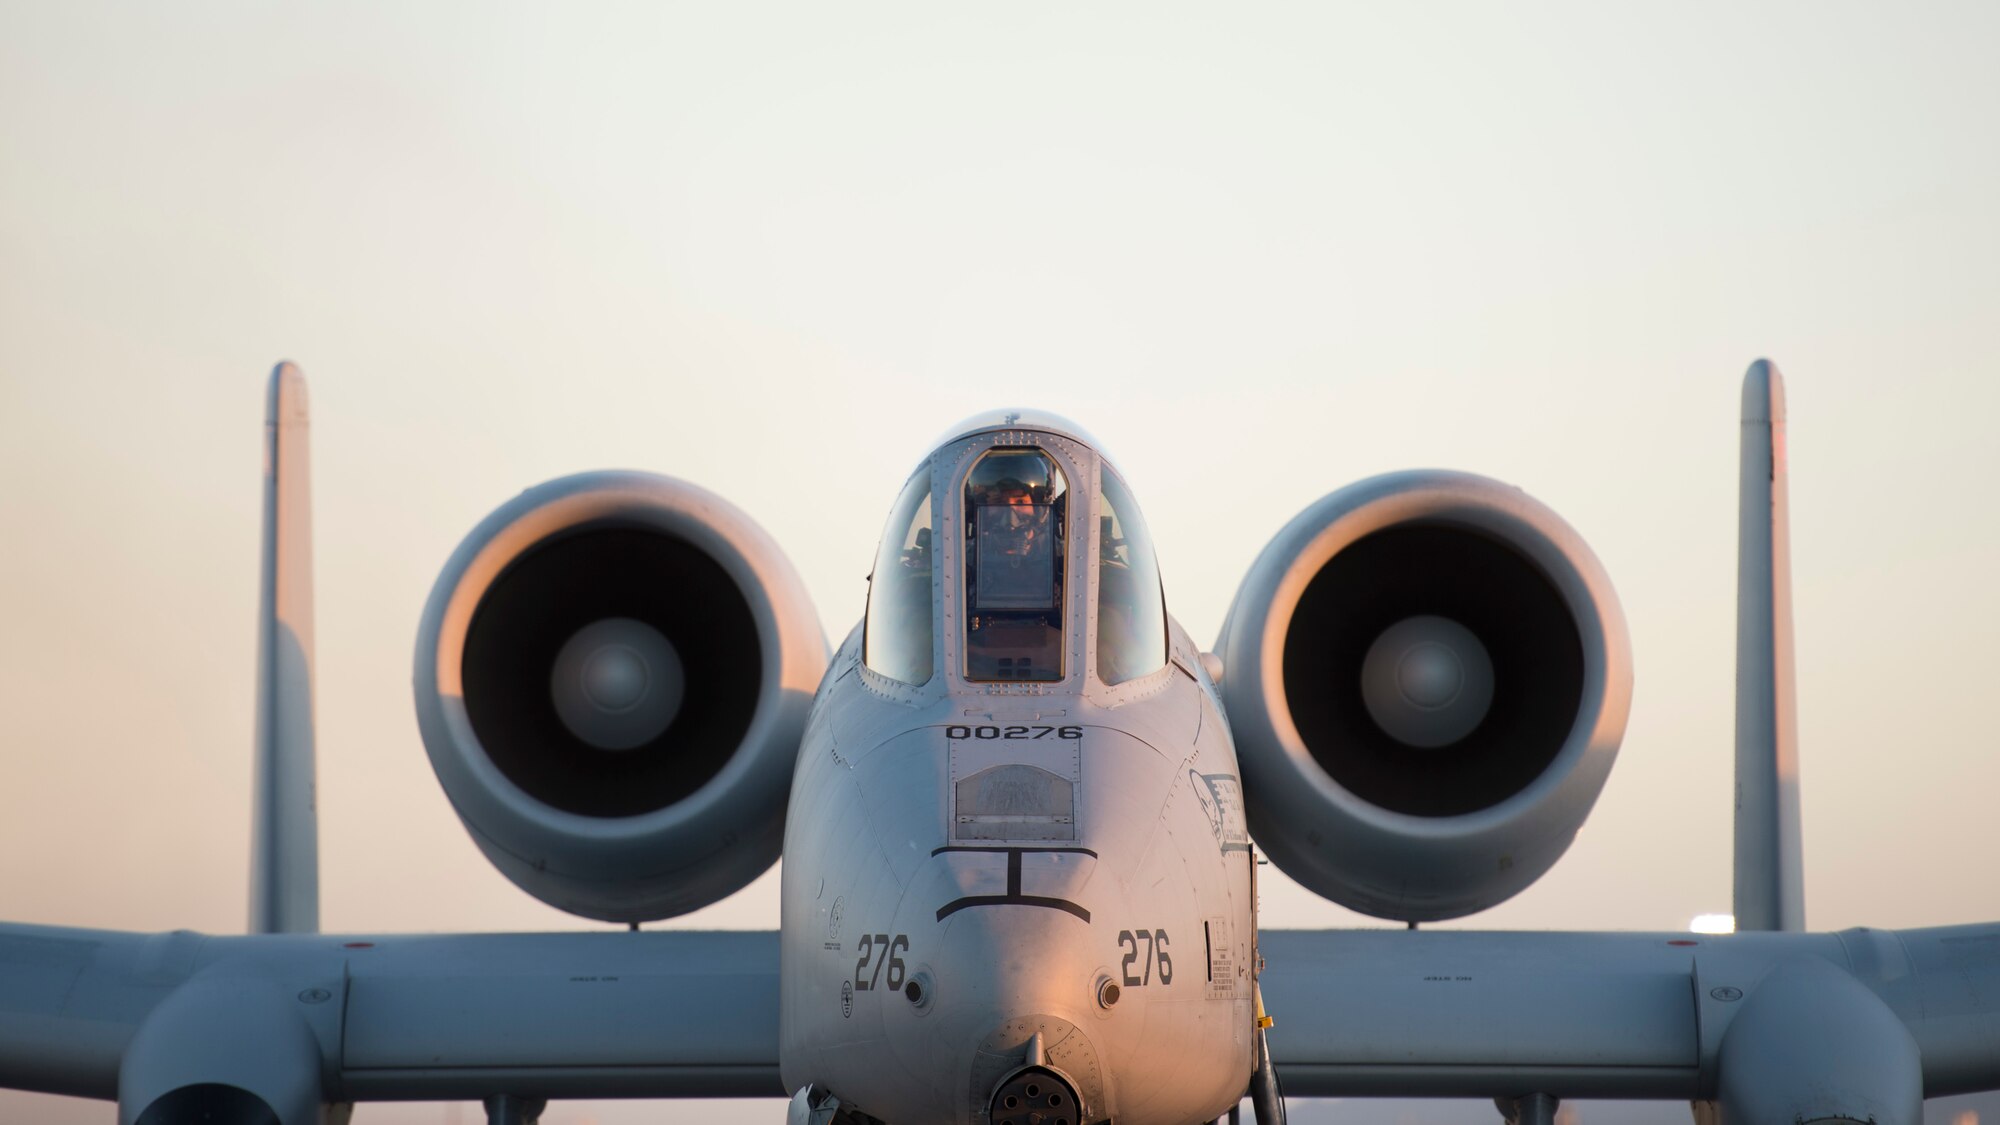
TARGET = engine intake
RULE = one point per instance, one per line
(612, 676)
(1427, 679)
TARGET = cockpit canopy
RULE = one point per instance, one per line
(1009, 524)
(898, 638)
(1131, 607)
(1015, 539)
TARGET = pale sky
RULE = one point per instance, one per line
(775, 249)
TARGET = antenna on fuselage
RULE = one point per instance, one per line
(284, 824)
(1770, 868)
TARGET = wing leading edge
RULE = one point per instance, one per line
(646, 1014)
(685, 1013)
(1466, 1014)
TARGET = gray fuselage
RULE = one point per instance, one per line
(985, 877)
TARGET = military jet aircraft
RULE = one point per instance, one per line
(1021, 812)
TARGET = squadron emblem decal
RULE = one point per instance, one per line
(1221, 797)
(833, 917)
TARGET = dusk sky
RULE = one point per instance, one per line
(775, 249)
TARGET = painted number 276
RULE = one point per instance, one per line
(1155, 953)
(884, 953)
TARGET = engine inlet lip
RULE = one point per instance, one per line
(1255, 640)
(560, 508)
(543, 848)
(1389, 863)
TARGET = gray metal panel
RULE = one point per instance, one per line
(1410, 1013)
(1428, 1013)
(1956, 971)
(70, 1000)
(1587, 1019)
(558, 1000)
(635, 1014)
(649, 1014)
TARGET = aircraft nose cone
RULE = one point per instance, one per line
(992, 1011)
(1427, 681)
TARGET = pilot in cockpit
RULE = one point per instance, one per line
(1027, 522)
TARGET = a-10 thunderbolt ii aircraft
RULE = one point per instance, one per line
(1020, 812)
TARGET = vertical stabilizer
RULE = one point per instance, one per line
(284, 826)
(1770, 871)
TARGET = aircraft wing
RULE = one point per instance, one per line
(687, 1013)
(1444, 1013)
(627, 1014)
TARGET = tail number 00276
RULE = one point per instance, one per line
(883, 953)
(988, 734)
(1137, 965)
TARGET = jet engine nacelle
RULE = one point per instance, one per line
(1427, 676)
(612, 677)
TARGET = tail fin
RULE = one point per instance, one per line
(1770, 869)
(284, 843)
